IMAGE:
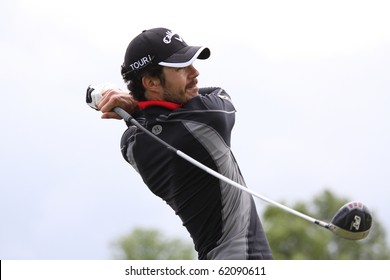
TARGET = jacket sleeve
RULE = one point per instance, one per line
(216, 98)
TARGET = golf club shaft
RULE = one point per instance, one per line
(129, 119)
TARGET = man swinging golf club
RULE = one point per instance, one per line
(164, 98)
(199, 179)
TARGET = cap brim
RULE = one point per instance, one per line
(186, 56)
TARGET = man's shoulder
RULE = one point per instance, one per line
(215, 91)
(209, 90)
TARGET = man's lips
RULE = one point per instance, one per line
(192, 84)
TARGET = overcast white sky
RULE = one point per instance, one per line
(310, 81)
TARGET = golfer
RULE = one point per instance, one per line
(164, 97)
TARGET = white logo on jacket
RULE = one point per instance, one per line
(157, 129)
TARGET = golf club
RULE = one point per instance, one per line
(352, 221)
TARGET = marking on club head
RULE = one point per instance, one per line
(157, 129)
(355, 204)
(356, 222)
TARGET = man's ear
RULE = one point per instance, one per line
(150, 83)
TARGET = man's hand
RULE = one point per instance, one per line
(105, 97)
(112, 98)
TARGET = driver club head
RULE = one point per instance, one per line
(352, 221)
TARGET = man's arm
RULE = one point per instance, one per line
(112, 98)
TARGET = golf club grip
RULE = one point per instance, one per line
(126, 116)
(129, 119)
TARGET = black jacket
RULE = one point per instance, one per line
(221, 219)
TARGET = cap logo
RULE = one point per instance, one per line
(141, 62)
(168, 38)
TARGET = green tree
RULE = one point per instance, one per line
(291, 237)
(151, 244)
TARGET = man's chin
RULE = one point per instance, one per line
(194, 91)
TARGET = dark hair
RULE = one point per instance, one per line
(135, 86)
